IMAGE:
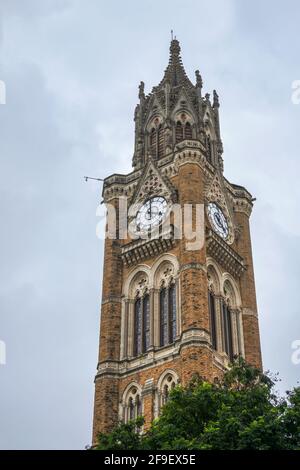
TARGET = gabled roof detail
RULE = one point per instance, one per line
(153, 183)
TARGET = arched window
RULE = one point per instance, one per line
(153, 141)
(130, 409)
(141, 324)
(212, 318)
(227, 325)
(160, 142)
(163, 317)
(146, 322)
(165, 394)
(172, 313)
(138, 327)
(168, 324)
(188, 131)
(132, 404)
(179, 132)
(165, 385)
(138, 406)
(208, 149)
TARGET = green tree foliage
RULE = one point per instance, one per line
(240, 412)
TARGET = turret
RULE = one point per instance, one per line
(175, 111)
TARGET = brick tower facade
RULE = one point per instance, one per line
(174, 304)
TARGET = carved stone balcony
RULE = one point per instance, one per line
(137, 250)
(224, 254)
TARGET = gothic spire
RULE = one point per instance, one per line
(175, 74)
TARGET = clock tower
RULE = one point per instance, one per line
(178, 296)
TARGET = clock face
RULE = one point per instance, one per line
(151, 213)
(218, 220)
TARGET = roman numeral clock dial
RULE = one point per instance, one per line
(151, 213)
(218, 220)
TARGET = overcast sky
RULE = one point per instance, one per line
(72, 69)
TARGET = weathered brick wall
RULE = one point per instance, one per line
(105, 405)
(107, 389)
(248, 293)
(193, 279)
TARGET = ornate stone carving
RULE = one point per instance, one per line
(153, 183)
(224, 254)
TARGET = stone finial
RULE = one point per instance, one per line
(216, 103)
(199, 81)
(136, 112)
(174, 48)
(142, 91)
(207, 97)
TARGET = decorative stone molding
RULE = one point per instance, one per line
(153, 183)
(148, 388)
(201, 267)
(137, 250)
(224, 254)
(195, 335)
(243, 205)
(192, 337)
(187, 151)
(111, 299)
(241, 199)
(249, 311)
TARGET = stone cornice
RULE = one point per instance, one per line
(111, 299)
(193, 337)
(224, 254)
(249, 312)
(201, 267)
(241, 199)
(187, 151)
(137, 250)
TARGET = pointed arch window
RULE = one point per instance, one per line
(227, 325)
(132, 404)
(188, 131)
(138, 327)
(163, 317)
(165, 395)
(209, 149)
(153, 141)
(179, 132)
(164, 389)
(130, 409)
(146, 323)
(141, 325)
(160, 142)
(138, 405)
(212, 318)
(172, 313)
(168, 323)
